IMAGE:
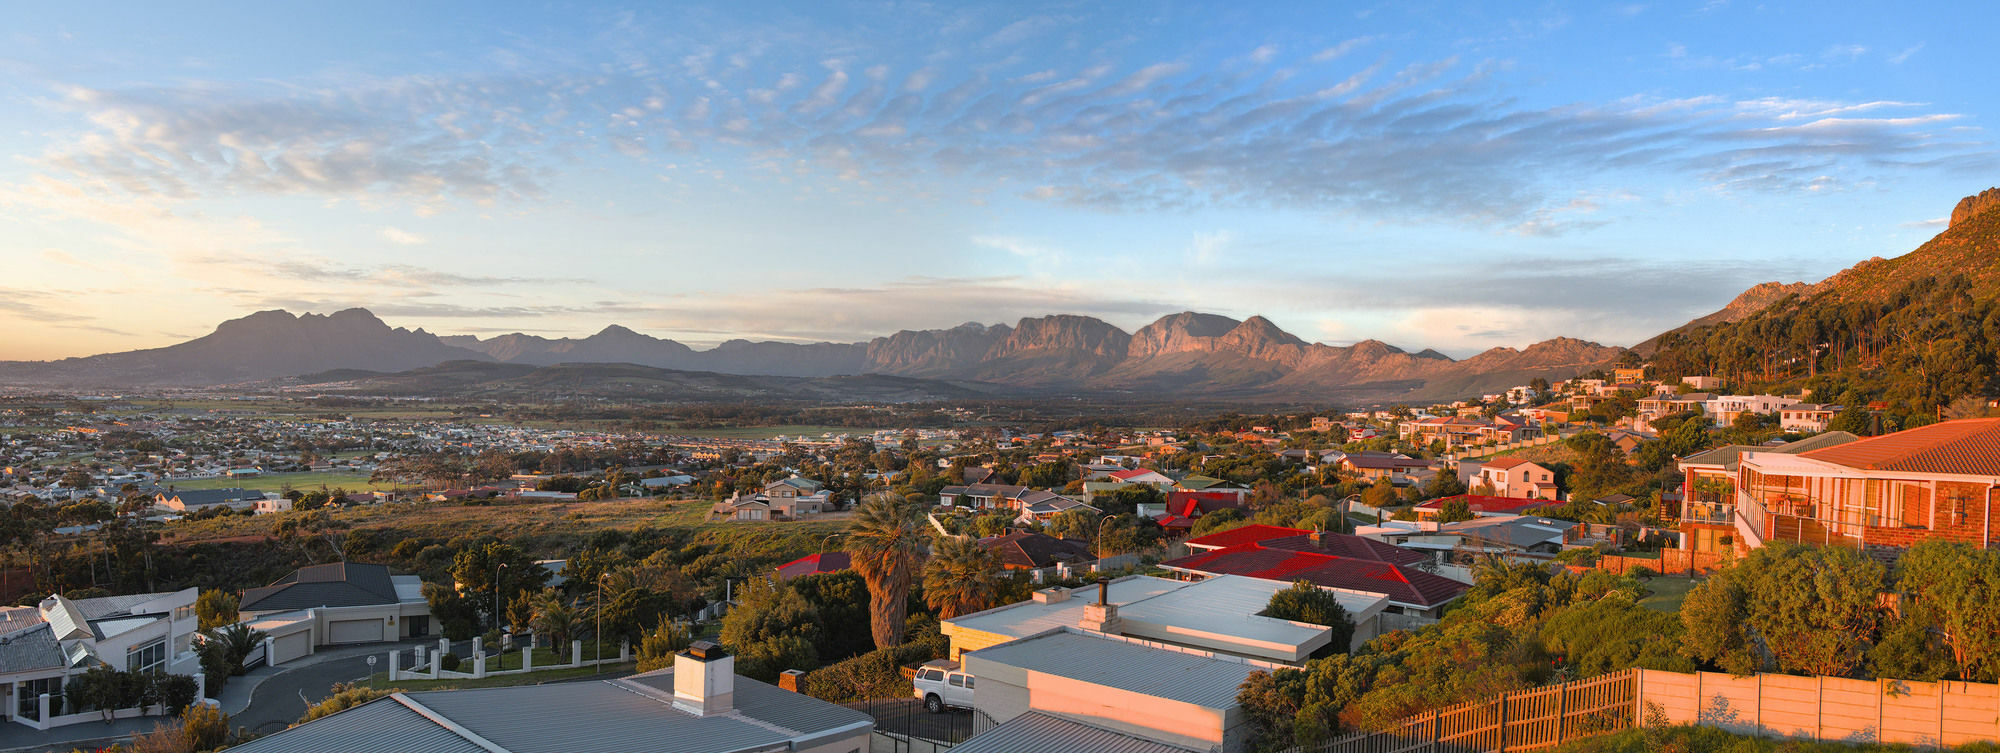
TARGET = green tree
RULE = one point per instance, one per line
(1954, 592)
(657, 648)
(771, 630)
(1305, 602)
(883, 542)
(961, 577)
(1454, 511)
(216, 608)
(556, 618)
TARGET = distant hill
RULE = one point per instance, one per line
(1918, 330)
(1182, 355)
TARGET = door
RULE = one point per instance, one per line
(289, 647)
(354, 631)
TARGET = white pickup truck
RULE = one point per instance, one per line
(941, 684)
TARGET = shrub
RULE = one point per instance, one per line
(449, 662)
(344, 697)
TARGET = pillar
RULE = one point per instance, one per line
(395, 666)
(576, 653)
(43, 703)
(527, 658)
(479, 665)
(270, 652)
(624, 651)
(478, 645)
(200, 686)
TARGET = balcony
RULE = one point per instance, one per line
(1709, 513)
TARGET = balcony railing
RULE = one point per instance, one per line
(1711, 513)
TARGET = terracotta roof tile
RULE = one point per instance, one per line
(1968, 446)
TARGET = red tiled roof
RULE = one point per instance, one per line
(1967, 446)
(813, 564)
(1505, 462)
(1495, 505)
(1249, 534)
(1403, 585)
(1344, 545)
(1196, 504)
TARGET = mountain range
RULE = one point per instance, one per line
(1187, 354)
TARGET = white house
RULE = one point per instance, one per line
(337, 603)
(41, 646)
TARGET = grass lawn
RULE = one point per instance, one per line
(381, 679)
(275, 482)
(544, 657)
(1667, 593)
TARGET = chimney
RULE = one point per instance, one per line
(1103, 615)
(704, 679)
(1318, 538)
(789, 679)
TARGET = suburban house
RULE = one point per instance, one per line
(815, 564)
(785, 499)
(1516, 477)
(1480, 506)
(42, 645)
(1374, 466)
(1655, 407)
(1707, 515)
(1184, 508)
(1513, 536)
(203, 499)
(1724, 409)
(982, 496)
(1807, 418)
(1033, 551)
(1334, 561)
(1039, 506)
(1219, 614)
(700, 705)
(1880, 494)
(1144, 476)
(1068, 689)
(337, 603)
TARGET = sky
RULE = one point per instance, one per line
(1451, 175)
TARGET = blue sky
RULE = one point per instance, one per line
(1449, 175)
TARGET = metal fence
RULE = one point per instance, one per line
(911, 728)
(1527, 720)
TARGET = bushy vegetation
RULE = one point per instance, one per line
(1520, 626)
(1691, 739)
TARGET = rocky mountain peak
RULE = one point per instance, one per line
(1975, 205)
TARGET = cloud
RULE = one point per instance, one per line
(1901, 57)
(1934, 222)
(402, 237)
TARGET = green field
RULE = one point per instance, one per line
(276, 482)
(1667, 593)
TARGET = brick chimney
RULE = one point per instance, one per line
(704, 679)
(1102, 616)
(789, 679)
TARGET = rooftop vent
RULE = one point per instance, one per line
(704, 679)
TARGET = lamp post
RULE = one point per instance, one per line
(1098, 540)
(829, 539)
(599, 638)
(496, 594)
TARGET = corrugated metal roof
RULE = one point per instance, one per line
(1031, 617)
(603, 717)
(30, 650)
(1207, 681)
(379, 726)
(1036, 732)
(335, 584)
(772, 705)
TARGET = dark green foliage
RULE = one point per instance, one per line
(1305, 602)
(1805, 610)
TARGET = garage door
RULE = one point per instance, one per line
(354, 631)
(288, 647)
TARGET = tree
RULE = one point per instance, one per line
(1305, 602)
(883, 541)
(236, 642)
(1810, 610)
(771, 630)
(960, 577)
(1381, 494)
(216, 609)
(1454, 511)
(1954, 592)
(1072, 524)
(477, 571)
(555, 617)
(657, 647)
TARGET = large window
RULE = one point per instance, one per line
(151, 657)
(29, 704)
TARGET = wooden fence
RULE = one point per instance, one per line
(1824, 708)
(1527, 720)
(1670, 562)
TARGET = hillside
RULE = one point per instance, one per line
(1919, 330)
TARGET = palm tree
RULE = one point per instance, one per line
(883, 540)
(556, 618)
(960, 577)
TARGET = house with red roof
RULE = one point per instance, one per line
(1880, 494)
(1145, 476)
(815, 564)
(1329, 560)
(1481, 506)
(1517, 477)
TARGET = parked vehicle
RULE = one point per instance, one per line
(943, 685)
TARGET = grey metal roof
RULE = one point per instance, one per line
(589, 717)
(1036, 732)
(1202, 680)
(114, 606)
(383, 725)
(335, 584)
(772, 705)
(30, 650)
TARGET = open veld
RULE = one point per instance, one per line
(279, 482)
(769, 432)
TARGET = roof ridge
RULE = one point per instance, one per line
(449, 725)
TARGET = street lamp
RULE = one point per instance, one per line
(829, 539)
(496, 593)
(599, 638)
(1098, 540)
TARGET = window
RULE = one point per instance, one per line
(29, 704)
(968, 682)
(151, 657)
(958, 681)
(185, 613)
(933, 675)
